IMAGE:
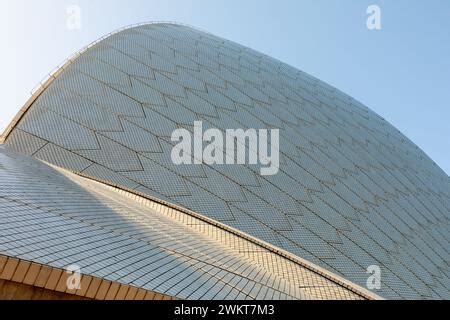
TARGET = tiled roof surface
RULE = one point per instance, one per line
(351, 192)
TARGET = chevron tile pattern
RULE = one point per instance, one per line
(120, 238)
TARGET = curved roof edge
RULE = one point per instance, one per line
(47, 81)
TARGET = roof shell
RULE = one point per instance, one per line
(351, 192)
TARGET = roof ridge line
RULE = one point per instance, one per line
(355, 288)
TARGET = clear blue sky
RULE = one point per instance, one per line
(402, 72)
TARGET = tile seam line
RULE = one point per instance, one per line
(342, 282)
(260, 243)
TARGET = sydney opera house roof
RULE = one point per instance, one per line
(86, 179)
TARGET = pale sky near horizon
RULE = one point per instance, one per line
(402, 71)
